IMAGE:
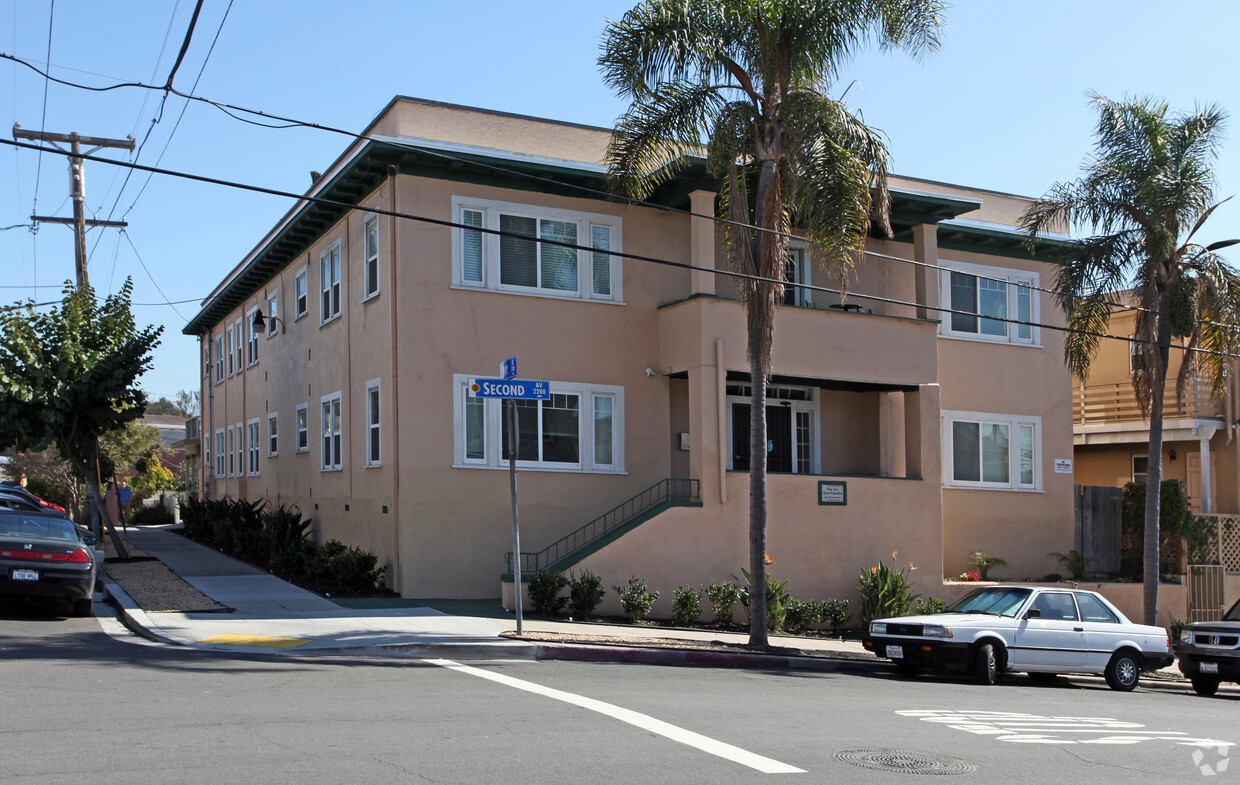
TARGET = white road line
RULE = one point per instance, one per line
(667, 730)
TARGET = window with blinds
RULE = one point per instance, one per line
(990, 303)
(995, 451)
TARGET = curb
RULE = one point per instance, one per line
(700, 658)
(131, 615)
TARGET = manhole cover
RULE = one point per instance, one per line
(905, 761)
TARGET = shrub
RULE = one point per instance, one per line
(928, 606)
(585, 592)
(982, 562)
(1075, 563)
(835, 613)
(636, 600)
(151, 515)
(687, 606)
(545, 588)
(349, 569)
(287, 535)
(799, 616)
(1174, 521)
(885, 593)
(777, 597)
(723, 596)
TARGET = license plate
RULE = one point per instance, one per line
(1208, 667)
(25, 575)
(895, 652)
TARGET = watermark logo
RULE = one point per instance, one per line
(1217, 765)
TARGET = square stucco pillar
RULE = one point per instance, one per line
(922, 437)
(707, 429)
(702, 243)
(926, 250)
(892, 441)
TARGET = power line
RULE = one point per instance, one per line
(591, 249)
(148, 275)
(51, 16)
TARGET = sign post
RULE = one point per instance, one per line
(512, 389)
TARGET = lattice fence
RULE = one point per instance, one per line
(1222, 546)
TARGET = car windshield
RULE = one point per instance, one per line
(1234, 613)
(1000, 601)
(37, 527)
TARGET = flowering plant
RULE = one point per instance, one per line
(970, 576)
(885, 592)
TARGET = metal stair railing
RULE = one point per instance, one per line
(661, 495)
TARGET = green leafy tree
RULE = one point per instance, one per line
(188, 403)
(1145, 192)
(153, 476)
(126, 447)
(67, 376)
(165, 407)
(750, 80)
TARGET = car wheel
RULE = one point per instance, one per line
(84, 607)
(1123, 672)
(1205, 685)
(906, 669)
(985, 664)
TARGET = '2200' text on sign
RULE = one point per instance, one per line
(522, 389)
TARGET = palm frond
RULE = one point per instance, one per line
(659, 129)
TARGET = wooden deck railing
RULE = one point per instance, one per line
(1096, 404)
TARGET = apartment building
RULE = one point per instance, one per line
(423, 258)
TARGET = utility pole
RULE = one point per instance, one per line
(77, 188)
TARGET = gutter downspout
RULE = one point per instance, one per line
(394, 397)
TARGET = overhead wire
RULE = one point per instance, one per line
(621, 254)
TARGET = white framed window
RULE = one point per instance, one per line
(301, 294)
(330, 427)
(273, 312)
(219, 453)
(370, 286)
(1001, 451)
(251, 338)
(303, 427)
(273, 431)
(253, 439)
(983, 298)
(231, 455)
(373, 443)
(1140, 468)
(329, 284)
(798, 270)
(208, 466)
(581, 428)
(531, 263)
(240, 449)
(231, 343)
(206, 358)
(219, 359)
(792, 414)
(239, 347)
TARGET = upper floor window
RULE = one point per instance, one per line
(991, 450)
(301, 294)
(797, 271)
(303, 428)
(251, 338)
(273, 444)
(332, 432)
(206, 358)
(329, 286)
(251, 443)
(232, 339)
(990, 303)
(219, 358)
(219, 453)
(370, 287)
(556, 253)
(373, 453)
(273, 312)
(240, 339)
(580, 428)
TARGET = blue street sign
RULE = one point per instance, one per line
(521, 389)
(508, 368)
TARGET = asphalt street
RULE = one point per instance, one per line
(85, 701)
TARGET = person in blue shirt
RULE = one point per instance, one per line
(123, 495)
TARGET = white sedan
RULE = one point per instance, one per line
(1037, 630)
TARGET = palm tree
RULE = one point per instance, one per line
(749, 79)
(1145, 192)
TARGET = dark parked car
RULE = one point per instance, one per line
(45, 555)
(1210, 651)
(15, 490)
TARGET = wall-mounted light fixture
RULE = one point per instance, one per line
(260, 321)
(1172, 453)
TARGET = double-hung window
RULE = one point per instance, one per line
(579, 428)
(329, 284)
(251, 338)
(301, 294)
(373, 453)
(206, 358)
(992, 451)
(557, 253)
(231, 341)
(273, 312)
(331, 430)
(370, 286)
(240, 449)
(231, 465)
(219, 453)
(240, 338)
(252, 442)
(303, 428)
(990, 303)
(219, 359)
(273, 445)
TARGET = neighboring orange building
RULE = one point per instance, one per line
(893, 427)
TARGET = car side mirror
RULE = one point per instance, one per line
(88, 539)
(1034, 613)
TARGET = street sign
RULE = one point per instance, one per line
(508, 368)
(520, 389)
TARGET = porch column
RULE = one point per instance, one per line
(923, 456)
(707, 441)
(702, 243)
(925, 279)
(1207, 491)
(892, 438)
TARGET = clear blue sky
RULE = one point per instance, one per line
(1002, 107)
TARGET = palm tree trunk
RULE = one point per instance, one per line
(1153, 479)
